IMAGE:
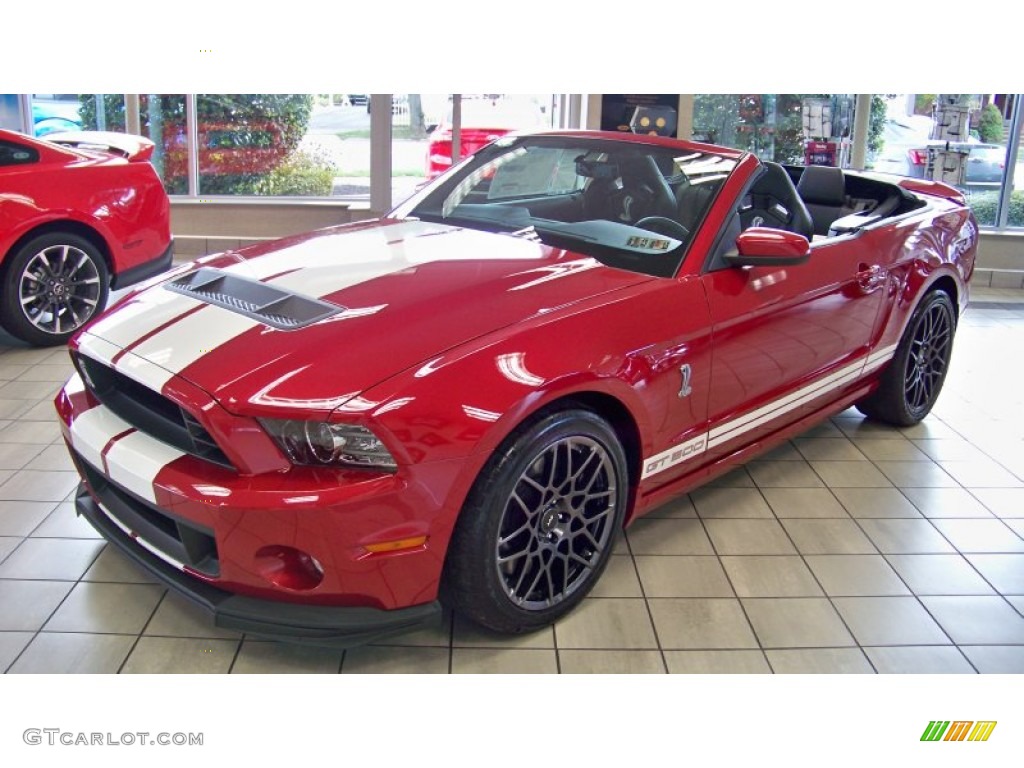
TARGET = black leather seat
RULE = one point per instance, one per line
(692, 201)
(823, 190)
(646, 191)
(773, 202)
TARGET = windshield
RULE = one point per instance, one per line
(630, 205)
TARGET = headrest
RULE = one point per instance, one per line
(822, 185)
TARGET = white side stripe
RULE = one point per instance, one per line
(753, 419)
(794, 400)
(881, 356)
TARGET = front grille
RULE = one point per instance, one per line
(270, 305)
(149, 411)
(182, 541)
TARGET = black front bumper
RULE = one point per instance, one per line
(292, 622)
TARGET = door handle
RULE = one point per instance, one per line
(869, 276)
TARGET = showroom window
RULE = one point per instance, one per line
(58, 112)
(422, 130)
(418, 122)
(775, 126)
(961, 139)
(318, 145)
(1013, 201)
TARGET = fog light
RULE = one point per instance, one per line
(289, 568)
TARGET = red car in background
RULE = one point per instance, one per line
(483, 120)
(80, 213)
(323, 438)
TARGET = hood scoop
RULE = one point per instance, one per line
(272, 306)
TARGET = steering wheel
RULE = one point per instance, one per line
(663, 226)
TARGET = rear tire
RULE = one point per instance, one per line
(53, 285)
(539, 526)
(911, 383)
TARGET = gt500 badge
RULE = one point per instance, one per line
(675, 455)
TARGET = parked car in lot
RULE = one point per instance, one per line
(80, 213)
(985, 162)
(325, 437)
(905, 152)
(482, 121)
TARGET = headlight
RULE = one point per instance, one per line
(320, 443)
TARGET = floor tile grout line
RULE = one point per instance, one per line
(142, 631)
(925, 607)
(647, 604)
(803, 559)
(238, 650)
(732, 586)
(971, 442)
(39, 630)
(899, 576)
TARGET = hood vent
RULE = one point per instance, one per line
(265, 303)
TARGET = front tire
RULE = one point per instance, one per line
(911, 383)
(538, 527)
(53, 285)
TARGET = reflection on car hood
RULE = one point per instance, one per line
(407, 291)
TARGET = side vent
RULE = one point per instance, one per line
(271, 306)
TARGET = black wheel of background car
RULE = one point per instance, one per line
(539, 525)
(52, 286)
(912, 382)
(663, 225)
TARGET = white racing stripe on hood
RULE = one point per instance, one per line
(141, 317)
(321, 274)
(182, 344)
(311, 255)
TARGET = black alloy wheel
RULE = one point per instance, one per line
(911, 383)
(540, 523)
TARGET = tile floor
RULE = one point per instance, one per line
(853, 548)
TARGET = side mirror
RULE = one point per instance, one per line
(431, 127)
(764, 247)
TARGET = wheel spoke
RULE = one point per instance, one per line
(509, 559)
(527, 567)
(557, 522)
(504, 540)
(59, 288)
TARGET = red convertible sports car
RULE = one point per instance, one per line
(76, 218)
(326, 437)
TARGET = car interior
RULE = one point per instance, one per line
(598, 201)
